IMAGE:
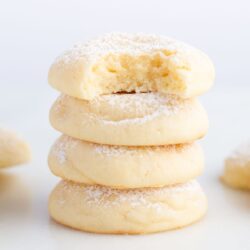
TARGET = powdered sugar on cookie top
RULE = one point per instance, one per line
(61, 146)
(107, 197)
(139, 103)
(139, 107)
(123, 43)
(123, 109)
(113, 151)
(65, 144)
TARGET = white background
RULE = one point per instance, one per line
(33, 33)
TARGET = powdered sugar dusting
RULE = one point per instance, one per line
(106, 197)
(114, 151)
(144, 106)
(123, 43)
(139, 102)
(124, 109)
(111, 151)
(66, 143)
(59, 149)
(241, 156)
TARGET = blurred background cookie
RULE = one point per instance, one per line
(237, 168)
(13, 149)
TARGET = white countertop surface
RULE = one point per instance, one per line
(24, 190)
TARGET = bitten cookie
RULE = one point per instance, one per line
(104, 210)
(132, 62)
(125, 167)
(131, 119)
(13, 149)
(237, 168)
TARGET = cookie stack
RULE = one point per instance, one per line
(128, 157)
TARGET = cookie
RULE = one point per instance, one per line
(132, 63)
(131, 119)
(237, 168)
(104, 210)
(125, 167)
(13, 149)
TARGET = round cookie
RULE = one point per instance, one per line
(125, 167)
(130, 119)
(237, 168)
(13, 149)
(132, 62)
(139, 211)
